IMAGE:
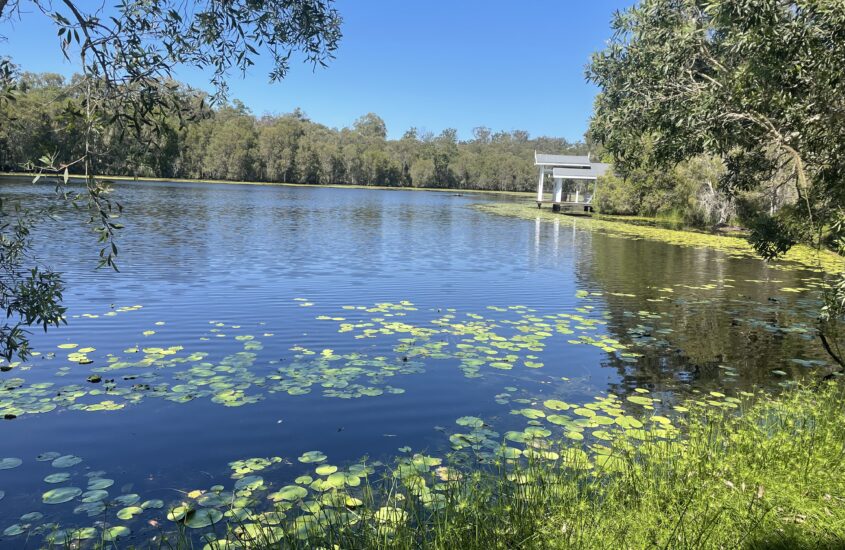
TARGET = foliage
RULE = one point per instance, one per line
(127, 56)
(192, 140)
(753, 82)
(687, 191)
(757, 472)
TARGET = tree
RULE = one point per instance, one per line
(756, 83)
(127, 59)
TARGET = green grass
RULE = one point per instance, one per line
(758, 472)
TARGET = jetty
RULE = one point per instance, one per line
(575, 179)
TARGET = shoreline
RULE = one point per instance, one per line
(824, 261)
(131, 179)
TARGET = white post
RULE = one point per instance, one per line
(558, 189)
(576, 190)
(540, 184)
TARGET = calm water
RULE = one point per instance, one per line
(231, 278)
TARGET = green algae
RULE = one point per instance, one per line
(799, 256)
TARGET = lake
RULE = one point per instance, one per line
(271, 322)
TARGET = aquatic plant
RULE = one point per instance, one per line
(720, 471)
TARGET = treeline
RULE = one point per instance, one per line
(192, 140)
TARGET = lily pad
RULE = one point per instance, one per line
(94, 496)
(60, 495)
(312, 456)
(325, 470)
(129, 512)
(128, 499)
(48, 456)
(116, 532)
(203, 518)
(289, 492)
(57, 478)
(13, 530)
(9, 463)
(66, 461)
(100, 483)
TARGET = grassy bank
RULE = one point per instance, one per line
(723, 472)
(732, 245)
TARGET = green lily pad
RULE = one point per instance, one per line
(66, 461)
(128, 499)
(13, 530)
(94, 496)
(203, 518)
(116, 532)
(471, 421)
(390, 515)
(9, 463)
(57, 478)
(100, 483)
(325, 470)
(289, 492)
(48, 456)
(129, 512)
(178, 513)
(154, 503)
(312, 456)
(60, 495)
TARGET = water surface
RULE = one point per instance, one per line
(252, 282)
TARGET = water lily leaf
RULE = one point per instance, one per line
(312, 456)
(556, 405)
(9, 463)
(640, 400)
(154, 503)
(203, 518)
(47, 457)
(471, 421)
(13, 530)
(57, 478)
(127, 499)
(66, 461)
(116, 532)
(100, 483)
(178, 513)
(325, 470)
(129, 512)
(390, 515)
(94, 496)
(60, 495)
(289, 492)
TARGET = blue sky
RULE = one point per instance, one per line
(435, 64)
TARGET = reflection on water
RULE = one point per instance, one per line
(250, 284)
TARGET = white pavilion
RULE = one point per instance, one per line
(572, 176)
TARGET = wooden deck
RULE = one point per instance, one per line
(576, 208)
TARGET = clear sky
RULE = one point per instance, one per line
(432, 64)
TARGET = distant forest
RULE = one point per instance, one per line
(192, 140)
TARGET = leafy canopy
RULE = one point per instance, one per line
(757, 83)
